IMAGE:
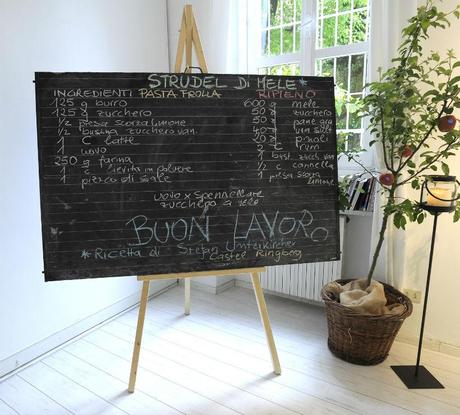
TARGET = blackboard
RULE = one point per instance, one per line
(154, 173)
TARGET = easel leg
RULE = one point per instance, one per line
(266, 321)
(187, 296)
(139, 330)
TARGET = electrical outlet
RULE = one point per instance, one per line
(414, 295)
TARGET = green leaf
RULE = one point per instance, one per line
(435, 168)
(457, 214)
(445, 168)
(454, 80)
(420, 218)
(397, 220)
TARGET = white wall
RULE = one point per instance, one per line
(221, 25)
(356, 247)
(442, 329)
(54, 35)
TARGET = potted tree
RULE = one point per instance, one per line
(409, 111)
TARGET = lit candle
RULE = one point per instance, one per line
(438, 193)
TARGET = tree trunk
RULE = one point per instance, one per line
(381, 236)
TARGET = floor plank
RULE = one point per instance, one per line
(309, 339)
(238, 400)
(106, 386)
(20, 395)
(350, 378)
(216, 361)
(291, 377)
(170, 393)
(74, 397)
(6, 409)
(309, 394)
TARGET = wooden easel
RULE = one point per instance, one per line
(189, 37)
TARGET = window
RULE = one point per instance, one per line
(341, 52)
(276, 37)
(321, 37)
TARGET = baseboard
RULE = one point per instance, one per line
(30, 354)
(197, 285)
(431, 344)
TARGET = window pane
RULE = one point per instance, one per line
(327, 67)
(295, 68)
(341, 112)
(328, 32)
(354, 141)
(297, 38)
(288, 39)
(359, 26)
(298, 10)
(354, 120)
(341, 72)
(264, 42)
(262, 71)
(359, 3)
(357, 73)
(275, 13)
(343, 29)
(344, 5)
(264, 13)
(285, 69)
(328, 7)
(288, 11)
(275, 42)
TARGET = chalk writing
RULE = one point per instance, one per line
(146, 173)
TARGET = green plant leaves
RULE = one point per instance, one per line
(445, 168)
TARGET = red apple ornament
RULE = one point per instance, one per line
(387, 179)
(407, 151)
(447, 123)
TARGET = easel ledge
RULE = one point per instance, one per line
(214, 273)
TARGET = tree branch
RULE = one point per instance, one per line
(435, 160)
(384, 145)
(426, 137)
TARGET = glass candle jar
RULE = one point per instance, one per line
(439, 193)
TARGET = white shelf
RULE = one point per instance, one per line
(355, 213)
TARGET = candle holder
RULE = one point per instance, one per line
(438, 195)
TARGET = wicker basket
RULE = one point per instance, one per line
(362, 339)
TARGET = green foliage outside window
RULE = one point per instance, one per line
(289, 69)
(339, 24)
(281, 21)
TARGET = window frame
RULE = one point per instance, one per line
(306, 58)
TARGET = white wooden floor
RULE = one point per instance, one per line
(216, 361)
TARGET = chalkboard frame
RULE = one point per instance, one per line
(152, 269)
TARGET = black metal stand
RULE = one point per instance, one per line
(418, 377)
